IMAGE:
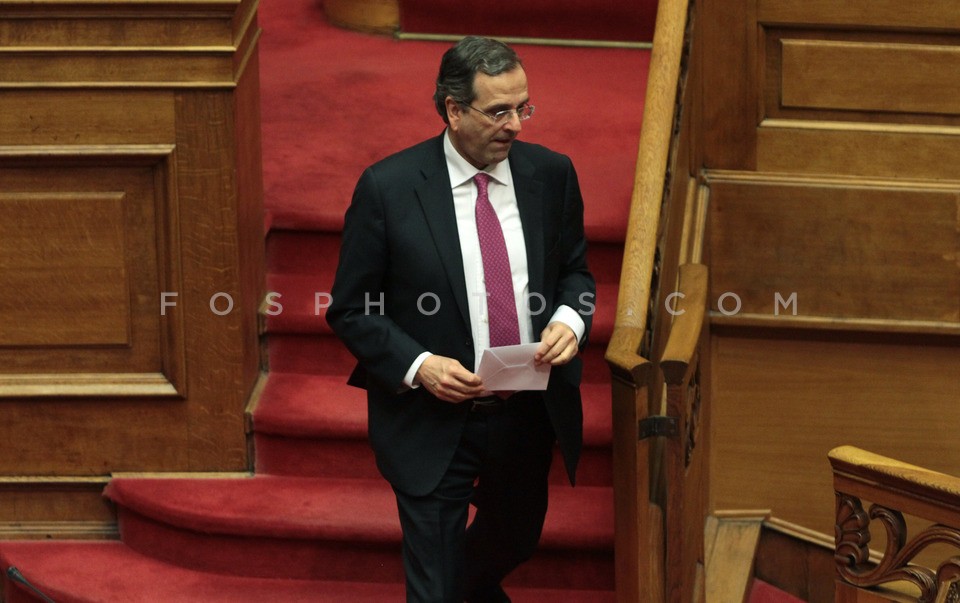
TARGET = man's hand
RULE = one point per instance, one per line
(558, 345)
(446, 379)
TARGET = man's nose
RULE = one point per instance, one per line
(513, 123)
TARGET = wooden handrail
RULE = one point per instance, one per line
(895, 489)
(623, 351)
(931, 495)
(639, 521)
(689, 311)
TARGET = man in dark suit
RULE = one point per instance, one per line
(413, 301)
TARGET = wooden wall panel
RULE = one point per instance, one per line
(830, 135)
(779, 405)
(845, 248)
(64, 272)
(934, 15)
(94, 117)
(129, 169)
(86, 279)
(870, 76)
(730, 97)
(878, 151)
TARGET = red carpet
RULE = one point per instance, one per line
(316, 522)
(612, 20)
(335, 101)
(761, 592)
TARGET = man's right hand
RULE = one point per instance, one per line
(448, 380)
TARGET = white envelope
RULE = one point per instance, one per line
(511, 368)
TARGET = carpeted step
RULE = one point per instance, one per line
(316, 252)
(326, 355)
(312, 426)
(303, 405)
(314, 151)
(330, 529)
(109, 571)
(556, 19)
(762, 592)
(309, 353)
(316, 426)
(300, 280)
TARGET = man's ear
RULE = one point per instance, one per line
(454, 112)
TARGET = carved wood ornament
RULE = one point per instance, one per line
(853, 552)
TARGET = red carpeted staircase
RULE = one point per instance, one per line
(314, 521)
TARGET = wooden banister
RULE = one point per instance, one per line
(639, 524)
(630, 326)
(680, 353)
(685, 503)
(895, 489)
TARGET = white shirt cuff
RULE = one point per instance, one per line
(572, 319)
(412, 372)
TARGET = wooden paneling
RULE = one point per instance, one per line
(129, 168)
(936, 15)
(859, 149)
(870, 76)
(844, 248)
(63, 267)
(730, 97)
(94, 117)
(841, 124)
(797, 561)
(40, 501)
(779, 405)
(86, 259)
(125, 44)
(864, 76)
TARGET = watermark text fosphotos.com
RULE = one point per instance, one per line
(729, 303)
(428, 304)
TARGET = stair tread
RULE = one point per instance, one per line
(339, 410)
(339, 509)
(64, 569)
(305, 405)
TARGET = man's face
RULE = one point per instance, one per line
(477, 137)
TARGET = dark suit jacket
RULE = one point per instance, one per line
(400, 290)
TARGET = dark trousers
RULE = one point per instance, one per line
(501, 467)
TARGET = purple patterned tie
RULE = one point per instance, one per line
(501, 301)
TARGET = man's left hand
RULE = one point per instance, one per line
(558, 345)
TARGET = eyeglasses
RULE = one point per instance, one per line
(500, 117)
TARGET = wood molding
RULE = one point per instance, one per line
(139, 44)
(147, 257)
(47, 506)
(931, 14)
(49, 530)
(163, 114)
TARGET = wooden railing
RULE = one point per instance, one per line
(895, 490)
(652, 257)
(685, 464)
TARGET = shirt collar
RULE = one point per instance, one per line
(461, 171)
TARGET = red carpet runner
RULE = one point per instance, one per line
(609, 20)
(315, 522)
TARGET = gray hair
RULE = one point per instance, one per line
(462, 62)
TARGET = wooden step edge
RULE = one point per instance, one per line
(59, 530)
(732, 549)
(182, 475)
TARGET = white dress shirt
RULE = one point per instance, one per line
(503, 198)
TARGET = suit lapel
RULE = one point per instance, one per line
(436, 199)
(530, 204)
